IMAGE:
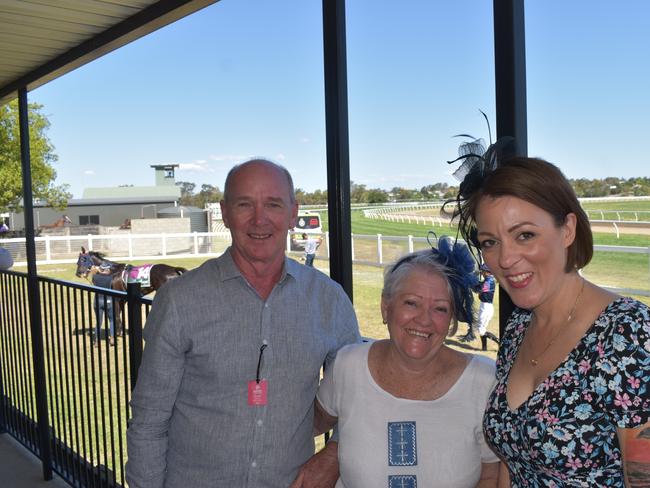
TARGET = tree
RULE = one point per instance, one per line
(42, 158)
(187, 193)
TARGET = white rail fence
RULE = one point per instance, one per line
(373, 250)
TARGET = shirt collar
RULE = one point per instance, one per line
(229, 269)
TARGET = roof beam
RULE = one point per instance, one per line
(138, 25)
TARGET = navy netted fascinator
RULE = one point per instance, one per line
(460, 270)
(457, 257)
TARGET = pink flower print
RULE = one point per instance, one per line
(574, 463)
(587, 448)
(584, 366)
(600, 349)
(622, 401)
(634, 382)
(587, 396)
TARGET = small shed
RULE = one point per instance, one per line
(197, 216)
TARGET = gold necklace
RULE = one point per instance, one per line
(535, 361)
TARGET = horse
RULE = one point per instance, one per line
(58, 223)
(150, 276)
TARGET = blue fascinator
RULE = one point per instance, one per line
(456, 257)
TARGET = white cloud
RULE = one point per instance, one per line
(228, 157)
(196, 166)
(305, 140)
(280, 157)
(89, 172)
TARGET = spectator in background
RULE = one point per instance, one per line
(6, 261)
(103, 278)
(3, 227)
(312, 243)
(485, 290)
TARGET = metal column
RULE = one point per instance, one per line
(33, 293)
(338, 153)
(510, 81)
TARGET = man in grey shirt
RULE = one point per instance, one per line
(229, 373)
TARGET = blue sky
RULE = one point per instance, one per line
(244, 78)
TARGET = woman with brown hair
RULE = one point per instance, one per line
(573, 369)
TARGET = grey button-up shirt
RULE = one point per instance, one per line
(192, 424)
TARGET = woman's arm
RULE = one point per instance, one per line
(489, 475)
(323, 421)
(504, 476)
(635, 448)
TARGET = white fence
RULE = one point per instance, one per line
(373, 250)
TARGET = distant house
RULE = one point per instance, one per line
(111, 206)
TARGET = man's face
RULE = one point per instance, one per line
(259, 213)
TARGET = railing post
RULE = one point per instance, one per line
(327, 241)
(33, 294)
(410, 243)
(164, 244)
(48, 250)
(130, 241)
(196, 243)
(135, 329)
(380, 254)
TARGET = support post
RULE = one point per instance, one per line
(338, 153)
(134, 317)
(510, 84)
(33, 292)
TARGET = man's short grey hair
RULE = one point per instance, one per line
(237, 167)
(426, 261)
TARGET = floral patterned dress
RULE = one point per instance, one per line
(565, 433)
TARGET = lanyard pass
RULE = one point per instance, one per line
(258, 388)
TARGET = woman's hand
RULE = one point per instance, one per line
(322, 469)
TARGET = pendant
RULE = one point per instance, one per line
(534, 362)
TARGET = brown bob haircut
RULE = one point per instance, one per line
(542, 184)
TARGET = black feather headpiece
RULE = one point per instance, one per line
(478, 161)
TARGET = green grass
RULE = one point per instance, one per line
(630, 205)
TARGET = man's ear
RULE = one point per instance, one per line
(294, 216)
(224, 213)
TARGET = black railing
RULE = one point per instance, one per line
(89, 373)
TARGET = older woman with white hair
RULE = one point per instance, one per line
(409, 408)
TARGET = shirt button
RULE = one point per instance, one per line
(254, 464)
(259, 422)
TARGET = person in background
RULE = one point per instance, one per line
(6, 260)
(3, 227)
(409, 409)
(225, 392)
(572, 402)
(485, 289)
(103, 304)
(312, 243)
